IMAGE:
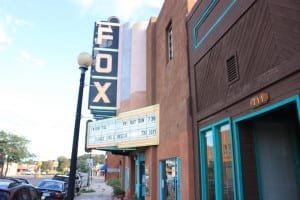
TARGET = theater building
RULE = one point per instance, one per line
(164, 170)
(153, 87)
(244, 58)
(171, 161)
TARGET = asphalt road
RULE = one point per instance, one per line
(34, 180)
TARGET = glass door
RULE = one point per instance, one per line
(140, 174)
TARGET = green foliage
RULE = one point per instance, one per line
(15, 147)
(118, 191)
(63, 164)
(30, 161)
(101, 159)
(47, 166)
(135, 196)
(81, 161)
(115, 183)
(87, 190)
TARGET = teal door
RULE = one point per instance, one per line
(139, 175)
(169, 176)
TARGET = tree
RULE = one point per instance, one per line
(30, 161)
(15, 148)
(101, 159)
(63, 164)
(82, 164)
(47, 166)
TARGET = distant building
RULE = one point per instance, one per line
(11, 169)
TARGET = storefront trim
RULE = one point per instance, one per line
(162, 178)
(236, 134)
(217, 158)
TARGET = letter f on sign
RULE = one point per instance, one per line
(101, 92)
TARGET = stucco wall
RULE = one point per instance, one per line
(169, 85)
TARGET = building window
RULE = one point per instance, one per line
(170, 179)
(216, 162)
(210, 171)
(169, 33)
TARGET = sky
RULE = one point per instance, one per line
(39, 75)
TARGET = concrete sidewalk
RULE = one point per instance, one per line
(102, 190)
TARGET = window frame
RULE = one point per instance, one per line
(217, 159)
(236, 134)
(169, 42)
(162, 173)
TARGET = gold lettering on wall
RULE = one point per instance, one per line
(259, 100)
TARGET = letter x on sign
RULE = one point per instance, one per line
(101, 92)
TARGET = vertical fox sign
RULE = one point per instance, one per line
(104, 72)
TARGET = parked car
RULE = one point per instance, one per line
(65, 178)
(23, 180)
(16, 189)
(29, 172)
(78, 179)
(52, 189)
(60, 177)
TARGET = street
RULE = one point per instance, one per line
(102, 191)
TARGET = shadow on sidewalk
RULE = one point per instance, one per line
(97, 190)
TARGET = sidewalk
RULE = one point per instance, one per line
(102, 191)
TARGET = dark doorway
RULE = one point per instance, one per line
(270, 153)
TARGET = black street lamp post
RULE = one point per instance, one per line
(84, 61)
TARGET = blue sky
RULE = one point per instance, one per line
(39, 44)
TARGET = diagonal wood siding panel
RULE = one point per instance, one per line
(266, 40)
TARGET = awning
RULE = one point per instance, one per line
(104, 167)
(117, 150)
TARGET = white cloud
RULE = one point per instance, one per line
(136, 10)
(153, 3)
(92, 3)
(26, 58)
(25, 55)
(145, 9)
(126, 10)
(8, 27)
(19, 111)
(5, 39)
(85, 3)
(13, 21)
(8, 19)
(21, 22)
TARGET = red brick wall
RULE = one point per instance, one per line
(113, 161)
(168, 86)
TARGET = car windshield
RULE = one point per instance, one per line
(5, 183)
(23, 180)
(5, 180)
(51, 185)
(62, 178)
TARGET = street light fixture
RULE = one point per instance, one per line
(84, 60)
